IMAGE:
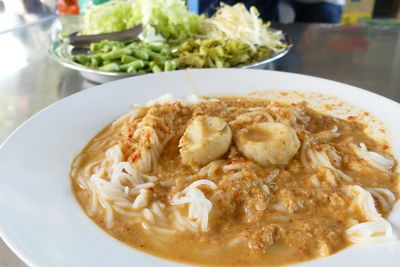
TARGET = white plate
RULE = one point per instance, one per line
(42, 222)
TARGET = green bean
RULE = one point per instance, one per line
(142, 54)
(117, 53)
(137, 64)
(156, 68)
(134, 57)
(110, 67)
(127, 59)
(94, 47)
(156, 56)
(96, 60)
(83, 59)
(106, 62)
(169, 65)
(156, 46)
(131, 69)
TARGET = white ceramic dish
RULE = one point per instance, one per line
(42, 222)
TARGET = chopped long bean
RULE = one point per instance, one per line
(133, 57)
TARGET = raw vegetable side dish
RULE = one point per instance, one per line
(174, 38)
(252, 180)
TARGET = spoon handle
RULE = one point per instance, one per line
(84, 40)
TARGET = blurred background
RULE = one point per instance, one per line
(14, 13)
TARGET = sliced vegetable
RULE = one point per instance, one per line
(218, 53)
(136, 57)
(237, 23)
(170, 18)
(173, 38)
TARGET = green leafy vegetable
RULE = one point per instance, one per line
(170, 18)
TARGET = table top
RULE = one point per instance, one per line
(363, 56)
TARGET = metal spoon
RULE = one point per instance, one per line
(79, 41)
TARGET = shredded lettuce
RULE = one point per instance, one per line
(170, 18)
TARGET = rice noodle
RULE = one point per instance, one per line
(167, 183)
(237, 175)
(145, 185)
(330, 178)
(324, 136)
(376, 229)
(156, 209)
(125, 213)
(334, 158)
(147, 214)
(93, 198)
(186, 224)
(199, 205)
(280, 207)
(128, 117)
(116, 192)
(114, 154)
(163, 230)
(265, 188)
(378, 192)
(142, 199)
(211, 168)
(146, 226)
(90, 168)
(377, 160)
(315, 181)
(109, 214)
(320, 160)
(303, 157)
(236, 166)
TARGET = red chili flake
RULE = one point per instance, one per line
(385, 147)
(350, 117)
(237, 193)
(135, 158)
(266, 174)
(318, 149)
(229, 162)
(151, 189)
(130, 136)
